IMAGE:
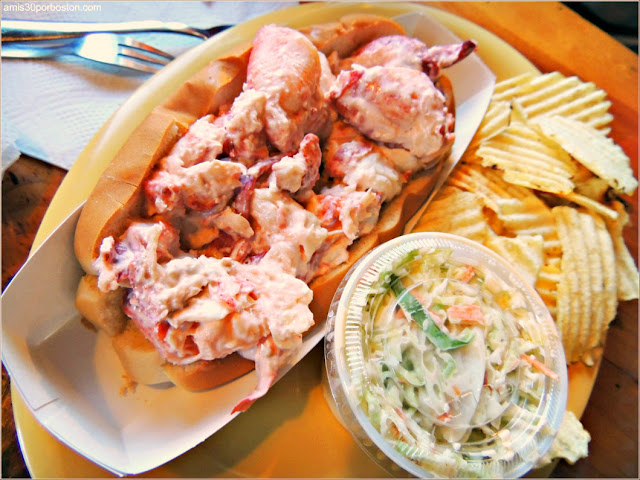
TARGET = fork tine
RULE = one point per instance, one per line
(138, 55)
(133, 64)
(130, 42)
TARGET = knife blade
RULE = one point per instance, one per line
(37, 49)
(29, 30)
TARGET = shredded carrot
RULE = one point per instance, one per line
(444, 416)
(468, 274)
(401, 414)
(456, 390)
(533, 361)
(395, 433)
(467, 314)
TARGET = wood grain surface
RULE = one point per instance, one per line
(554, 38)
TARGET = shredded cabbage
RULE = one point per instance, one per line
(444, 342)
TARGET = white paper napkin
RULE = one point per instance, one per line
(51, 109)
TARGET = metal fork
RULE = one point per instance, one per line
(105, 48)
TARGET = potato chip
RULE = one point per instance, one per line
(487, 183)
(593, 326)
(530, 188)
(474, 178)
(524, 252)
(555, 94)
(547, 283)
(508, 88)
(571, 443)
(457, 212)
(568, 97)
(590, 185)
(518, 211)
(530, 216)
(518, 112)
(542, 87)
(563, 311)
(606, 281)
(495, 120)
(626, 269)
(596, 116)
(590, 204)
(593, 150)
(529, 160)
(589, 280)
(575, 278)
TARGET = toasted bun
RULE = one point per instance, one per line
(144, 365)
(392, 220)
(444, 85)
(140, 359)
(117, 197)
(202, 375)
(102, 309)
(213, 87)
(349, 33)
(117, 200)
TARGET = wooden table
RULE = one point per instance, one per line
(553, 38)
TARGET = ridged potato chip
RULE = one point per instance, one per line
(588, 279)
(518, 211)
(590, 185)
(626, 269)
(574, 280)
(571, 442)
(590, 204)
(487, 183)
(509, 87)
(457, 212)
(547, 283)
(528, 159)
(530, 216)
(524, 189)
(593, 150)
(495, 120)
(609, 279)
(477, 179)
(525, 252)
(554, 94)
(592, 328)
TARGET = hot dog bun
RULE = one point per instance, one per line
(118, 199)
(345, 36)
(117, 196)
(102, 309)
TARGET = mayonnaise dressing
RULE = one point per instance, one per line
(394, 105)
(246, 186)
(203, 308)
(443, 356)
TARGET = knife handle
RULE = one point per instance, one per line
(26, 30)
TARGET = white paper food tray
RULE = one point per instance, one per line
(70, 376)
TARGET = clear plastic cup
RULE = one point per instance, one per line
(496, 426)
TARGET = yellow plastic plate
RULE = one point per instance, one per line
(291, 432)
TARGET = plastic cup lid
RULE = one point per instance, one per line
(480, 432)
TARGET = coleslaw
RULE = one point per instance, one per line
(450, 365)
